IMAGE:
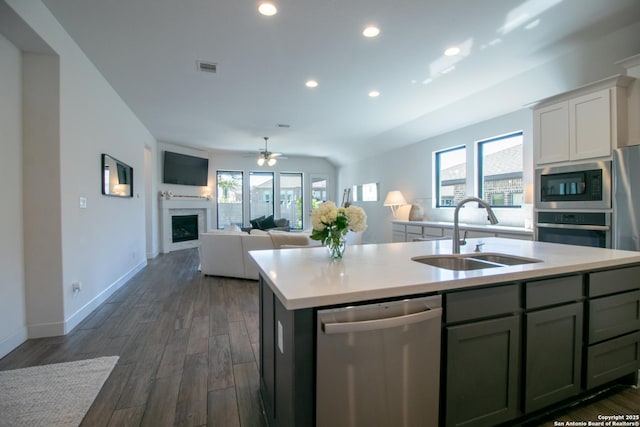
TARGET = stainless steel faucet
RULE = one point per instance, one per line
(456, 227)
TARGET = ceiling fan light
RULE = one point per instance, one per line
(267, 8)
(271, 161)
(261, 161)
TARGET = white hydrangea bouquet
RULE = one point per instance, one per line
(331, 223)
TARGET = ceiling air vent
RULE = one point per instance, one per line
(207, 67)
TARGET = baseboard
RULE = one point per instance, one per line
(152, 255)
(8, 344)
(83, 312)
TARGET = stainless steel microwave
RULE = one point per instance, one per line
(578, 186)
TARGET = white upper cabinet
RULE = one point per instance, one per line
(584, 124)
(590, 126)
(551, 133)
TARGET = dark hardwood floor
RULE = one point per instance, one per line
(188, 347)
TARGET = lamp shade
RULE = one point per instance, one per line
(394, 198)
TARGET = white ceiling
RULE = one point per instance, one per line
(147, 50)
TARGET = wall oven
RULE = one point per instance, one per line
(575, 228)
(579, 186)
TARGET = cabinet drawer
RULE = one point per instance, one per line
(432, 232)
(479, 303)
(541, 293)
(613, 359)
(398, 227)
(398, 237)
(414, 229)
(612, 281)
(614, 315)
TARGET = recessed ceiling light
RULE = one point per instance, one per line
(452, 51)
(311, 83)
(267, 8)
(374, 94)
(371, 31)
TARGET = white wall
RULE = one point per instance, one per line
(224, 160)
(72, 116)
(13, 329)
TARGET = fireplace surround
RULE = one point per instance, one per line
(180, 207)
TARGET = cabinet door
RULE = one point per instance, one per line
(399, 237)
(399, 233)
(483, 372)
(554, 355)
(551, 133)
(590, 121)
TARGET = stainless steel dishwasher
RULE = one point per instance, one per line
(379, 364)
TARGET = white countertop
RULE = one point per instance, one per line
(306, 277)
(464, 226)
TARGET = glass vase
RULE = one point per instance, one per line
(336, 247)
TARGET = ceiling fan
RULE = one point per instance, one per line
(267, 156)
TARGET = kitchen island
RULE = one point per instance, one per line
(516, 340)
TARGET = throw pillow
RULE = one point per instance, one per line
(266, 223)
(254, 222)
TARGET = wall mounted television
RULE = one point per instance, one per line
(182, 169)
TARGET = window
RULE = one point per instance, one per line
(370, 192)
(229, 192)
(318, 191)
(451, 175)
(500, 170)
(291, 199)
(261, 193)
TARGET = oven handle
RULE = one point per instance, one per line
(574, 226)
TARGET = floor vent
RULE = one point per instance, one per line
(207, 67)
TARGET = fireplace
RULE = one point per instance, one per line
(184, 228)
(183, 207)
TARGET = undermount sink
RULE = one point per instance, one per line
(504, 259)
(473, 261)
(454, 262)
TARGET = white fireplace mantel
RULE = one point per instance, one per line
(182, 206)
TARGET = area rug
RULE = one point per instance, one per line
(52, 395)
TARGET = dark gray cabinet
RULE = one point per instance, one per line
(286, 362)
(613, 332)
(483, 372)
(553, 340)
(482, 356)
(554, 355)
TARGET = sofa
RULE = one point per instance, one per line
(226, 253)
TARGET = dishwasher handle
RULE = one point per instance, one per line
(390, 322)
